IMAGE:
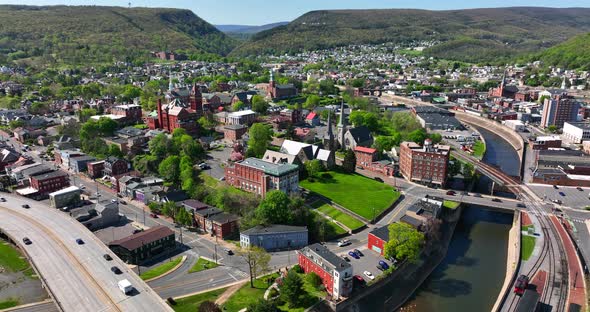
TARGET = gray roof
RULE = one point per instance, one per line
(273, 229)
(382, 233)
(268, 167)
(329, 257)
(208, 212)
(222, 218)
(411, 221)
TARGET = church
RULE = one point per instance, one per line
(178, 113)
(505, 91)
(280, 91)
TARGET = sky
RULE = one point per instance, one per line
(259, 12)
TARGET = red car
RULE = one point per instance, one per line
(522, 282)
(452, 193)
(153, 215)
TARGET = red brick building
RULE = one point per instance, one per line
(177, 114)
(280, 91)
(212, 220)
(50, 182)
(546, 142)
(377, 239)
(258, 176)
(336, 274)
(365, 156)
(424, 164)
(96, 169)
(131, 112)
(114, 166)
(504, 90)
(234, 132)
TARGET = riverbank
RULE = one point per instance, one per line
(512, 261)
(407, 278)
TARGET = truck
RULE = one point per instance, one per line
(125, 286)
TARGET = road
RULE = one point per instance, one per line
(78, 276)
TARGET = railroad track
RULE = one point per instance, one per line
(112, 303)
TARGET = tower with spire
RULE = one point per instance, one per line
(341, 126)
(331, 145)
(170, 84)
(563, 86)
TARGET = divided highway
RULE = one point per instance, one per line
(78, 277)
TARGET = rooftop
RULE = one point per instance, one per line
(268, 167)
(274, 228)
(65, 190)
(135, 241)
(330, 260)
(382, 233)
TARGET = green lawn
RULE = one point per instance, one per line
(526, 247)
(12, 260)
(247, 295)
(450, 204)
(348, 221)
(354, 192)
(202, 265)
(333, 230)
(9, 303)
(479, 148)
(160, 270)
(191, 304)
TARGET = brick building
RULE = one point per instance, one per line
(50, 182)
(95, 169)
(546, 142)
(178, 113)
(114, 166)
(424, 164)
(280, 91)
(558, 109)
(258, 176)
(336, 274)
(377, 238)
(131, 112)
(144, 245)
(234, 132)
(365, 156)
(212, 220)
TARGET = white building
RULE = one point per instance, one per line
(515, 125)
(576, 132)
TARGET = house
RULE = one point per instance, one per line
(280, 158)
(365, 156)
(259, 177)
(223, 225)
(65, 197)
(130, 113)
(95, 169)
(275, 237)
(46, 183)
(313, 119)
(144, 245)
(202, 215)
(114, 166)
(336, 274)
(233, 133)
(377, 238)
(80, 163)
(306, 152)
(243, 96)
(104, 214)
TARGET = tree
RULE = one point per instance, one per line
(417, 136)
(405, 242)
(238, 106)
(311, 102)
(183, 217)
(169, 168)
(86, 113)
(260, 136)
(314, 279)
(169, 208)
(257, 260)
(454, 167)
(209, 306)
(386, 143)
(259, 105)
(160, 145)
(552, 129)
(349, 162)
(115, 151)
(435, 137)
(274, 208)
(313, 167)
(13, 124)
(292, 291)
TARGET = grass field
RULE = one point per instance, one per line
(8, 303)
(348, 221)
(247, 295)
(161, 269)
(191, 304)
(479, 148)
(332, 230)
(12, 260)
(354, 192)
(202, 265)
(526, 247)
(450, 204)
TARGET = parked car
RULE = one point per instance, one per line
(562, 193)
(2, 199)
(555, 187)
(122, 202)
(346, 258)
(477, 195)
(27, 241)
(359, 279)
(343, 243)
(519, 205)
(557, 201)
(107, 257)
(153, 215)
(116, 270)
(496, 200)
(452, 193)
(229, 252)
(26, 206)
(79, 241)
(369, 275)
(383, 264)
(580, 189)
(354, 255)
(358, 252)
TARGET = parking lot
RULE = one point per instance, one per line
(571, 197)
(367, 262)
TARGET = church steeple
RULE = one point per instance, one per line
(563, 86)
(170, 84)
(342, 126)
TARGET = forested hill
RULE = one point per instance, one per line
(470, 35)
(572, 54)
(81, 34)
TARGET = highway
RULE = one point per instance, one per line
(78, 277)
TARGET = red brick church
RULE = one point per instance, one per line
(280, 91)
(506, 91)
(177, 114)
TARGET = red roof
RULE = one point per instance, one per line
(365, 150)
(135, 241)
(311, 116)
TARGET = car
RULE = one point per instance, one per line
(2, 199)
(383, 264)
(557, 201)
(520, 205)
(358, 252)
(378, 179)
(122, 202)
(229, 252)
(343, 243)
(477, 195)
(82, 187)
(345, 258)
(114, 200)
(26, 206)
(369, 275)
(496, 200)
(555, 187)
(27, 241)
(79, 241)
(359, 279)
(107, 257)
(579, 189)
(119, 195)
(557, 210)
(137, 231)
(116, 270)
(222, 179)
(562, 193)
(354, 255)
(452, 193)
(153, 215)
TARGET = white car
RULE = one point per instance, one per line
(369, 275)
(343, 243)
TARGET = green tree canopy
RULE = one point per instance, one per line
(274, 208)
(292, 291)
(349, 162)
(169, 169)
(260, 136)
(405, 242)
(259, 105)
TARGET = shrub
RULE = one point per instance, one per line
(297, 268)
(314, 279)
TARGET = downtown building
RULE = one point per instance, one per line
(336, 274)
(558, 109)
(425, 164)
(259, 177)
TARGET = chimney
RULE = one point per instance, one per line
(159, 113)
